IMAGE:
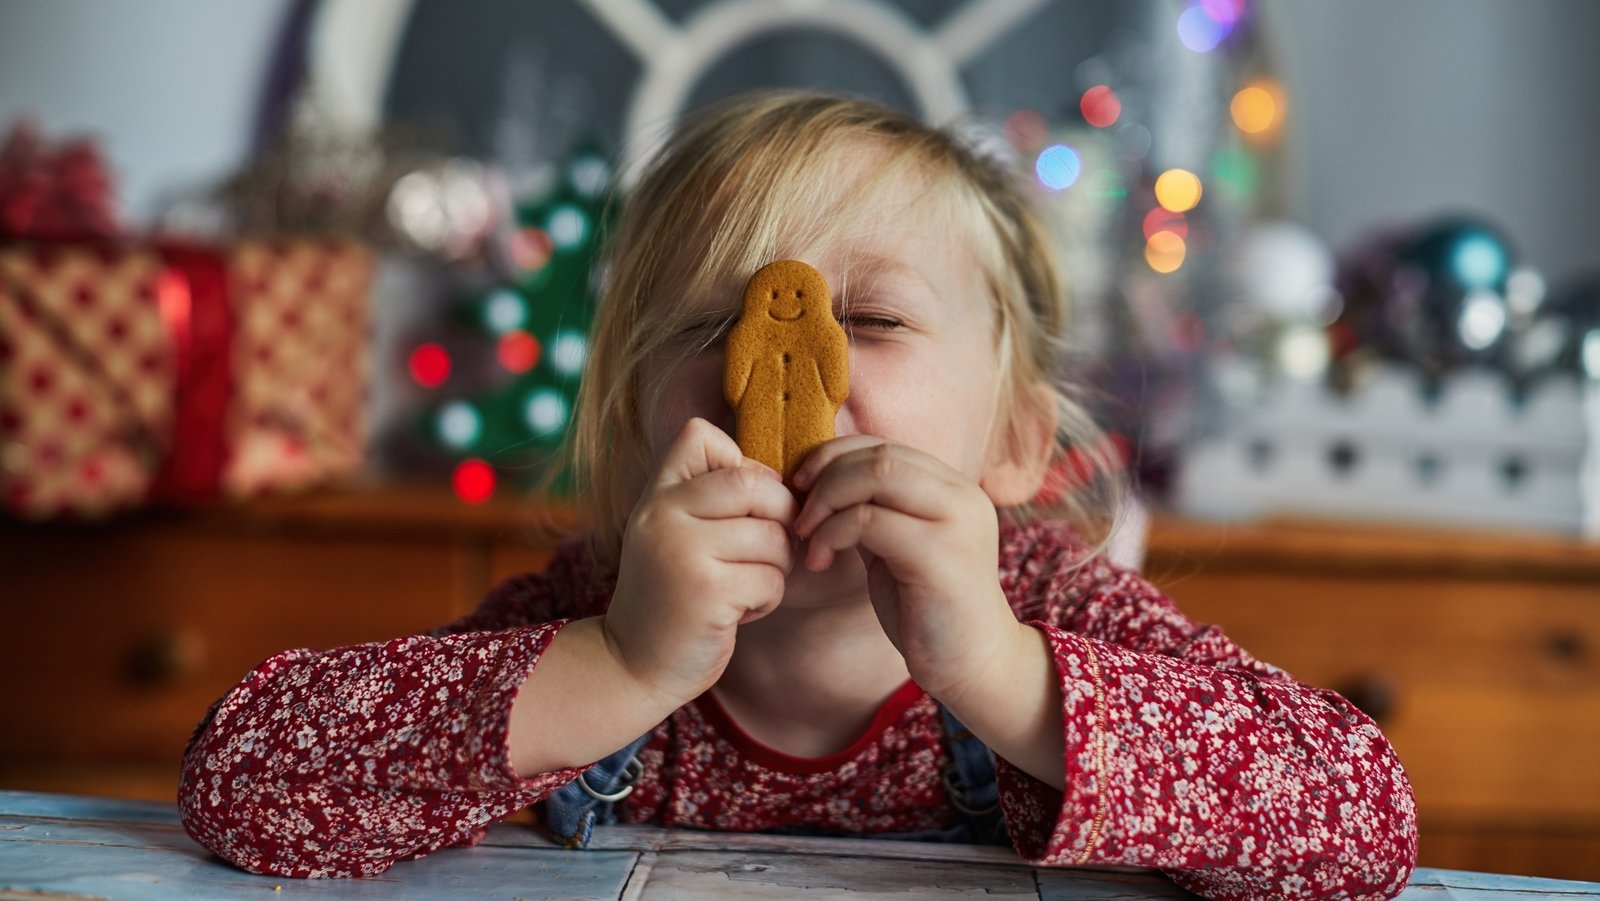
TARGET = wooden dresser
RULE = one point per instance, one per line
(1480, 654)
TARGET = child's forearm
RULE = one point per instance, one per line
(579, 704)
(1015, 708)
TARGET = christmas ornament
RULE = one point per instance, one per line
(1434, 296)
(1564, 336)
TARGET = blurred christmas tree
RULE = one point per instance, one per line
(527, 337)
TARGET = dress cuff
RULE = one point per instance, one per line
(1051, 827)
(509, 658)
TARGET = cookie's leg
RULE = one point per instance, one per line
(760, 427)
(809, 415)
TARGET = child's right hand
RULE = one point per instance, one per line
(706, 549)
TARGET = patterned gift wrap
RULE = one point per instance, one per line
(300, 364)
(138, 374)
(86, 375)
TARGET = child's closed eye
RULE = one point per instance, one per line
(853, 321)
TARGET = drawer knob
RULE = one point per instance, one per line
(164, 659)
(1373, 695)
(1565, 647)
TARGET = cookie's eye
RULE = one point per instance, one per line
(774, 295)
(799, 294)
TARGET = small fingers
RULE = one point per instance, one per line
(749, 489)
(749, 541)
(885, 474)
(888, 534)
(699, 448)
(826, 453)
(759, 589)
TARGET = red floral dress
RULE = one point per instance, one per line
(1183, 753)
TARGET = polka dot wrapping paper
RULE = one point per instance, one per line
(135, 374)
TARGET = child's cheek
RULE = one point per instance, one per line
(689, 390)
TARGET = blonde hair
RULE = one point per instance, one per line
(747, 181)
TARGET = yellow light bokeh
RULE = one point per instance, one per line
(1164, 252)
(1178, 190)
(1258, 108)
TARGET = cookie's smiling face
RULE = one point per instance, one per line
(786, 306)
(789, 290)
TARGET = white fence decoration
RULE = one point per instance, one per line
(1473, 455)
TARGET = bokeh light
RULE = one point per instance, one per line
(1235, 168)
(1198, 31)
(1483, 318)
(1224, 12)
(1026, 129)
(1164, 220)
(1178, 190)
(589, 175)
(1257, 108)
(1589, 354)
(430, 365)
(1165, 252)
(504, 310)
(1100, 106)
(1106, 183)
(545, 412)
(517, 351)
(1479, 261)
(1303, 351)
(1058, 167)
(531, 249)
(459, 424)
(569, 350)
(568, 227)
(473, 481)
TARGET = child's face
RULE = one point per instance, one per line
(923, 362)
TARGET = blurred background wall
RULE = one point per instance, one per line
(1400, 109)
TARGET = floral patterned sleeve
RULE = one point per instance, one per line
(342, 762)
(1186, 754)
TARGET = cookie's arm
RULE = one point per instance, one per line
(833, 368)
(736, 371)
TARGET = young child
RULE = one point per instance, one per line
(909, 639)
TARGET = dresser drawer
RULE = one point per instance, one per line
(1488, 688)
(119, 638)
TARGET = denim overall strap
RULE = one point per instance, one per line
(575, 808)
(969, 778)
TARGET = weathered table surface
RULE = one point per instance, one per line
(67, 846)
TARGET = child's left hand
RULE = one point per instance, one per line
(929, 537)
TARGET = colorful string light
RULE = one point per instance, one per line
(1164, 252)
(518, 351)
(1161, 219)
(545, 412)
(1100, 106)
(1058, 167)
(1178, 190)
(473, 481)
(505, 310)
(1257, 108)
(1199, 31)
(429, 365)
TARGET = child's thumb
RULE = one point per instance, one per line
(700, 448)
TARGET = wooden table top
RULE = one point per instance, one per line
(69, 846)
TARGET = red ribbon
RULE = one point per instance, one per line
(195, 304)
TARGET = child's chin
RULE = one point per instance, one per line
(845, 580)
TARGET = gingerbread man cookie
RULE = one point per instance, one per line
(788, 366)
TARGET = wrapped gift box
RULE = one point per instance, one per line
(160, 373)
